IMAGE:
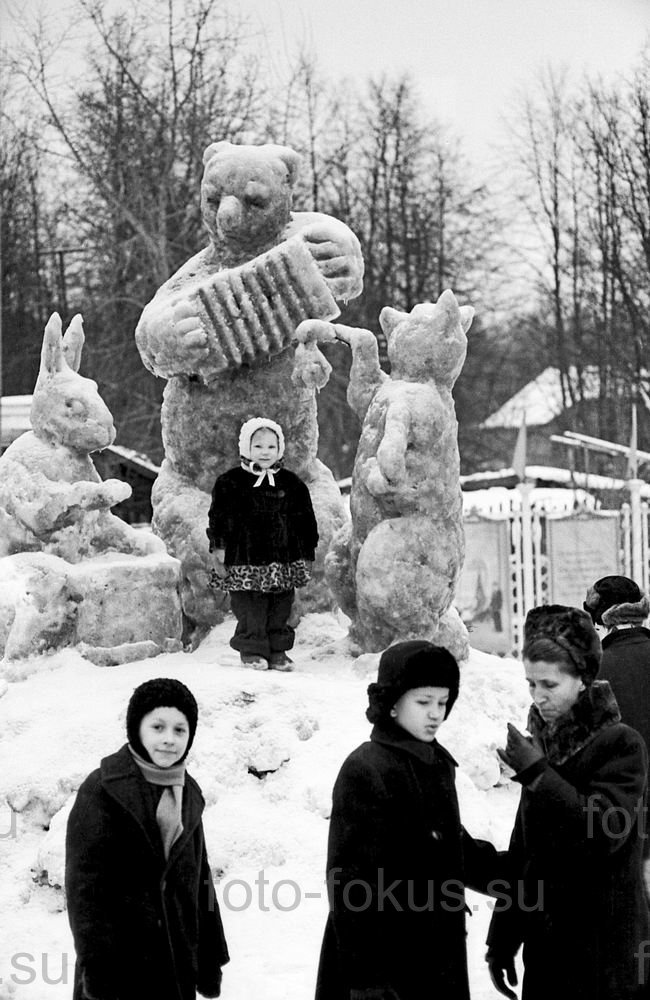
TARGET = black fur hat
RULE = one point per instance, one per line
(411, 664)
(161, 692)
(571, 630)
(616, 600)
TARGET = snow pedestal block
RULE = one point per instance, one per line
(116, 607)
(127, 601)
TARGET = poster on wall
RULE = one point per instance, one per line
(580, 550)
(483, 592)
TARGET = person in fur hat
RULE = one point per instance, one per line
(575, 899)
(398, 857)
(617, 604)
(263, 533)
(140, 896)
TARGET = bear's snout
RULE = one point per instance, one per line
(229, 213)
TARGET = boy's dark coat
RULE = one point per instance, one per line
(578, 839)
(258, 525)
(395, 817)
(142, 926)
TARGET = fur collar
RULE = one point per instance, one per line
(595, 710)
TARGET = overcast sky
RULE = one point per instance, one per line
(467, 57)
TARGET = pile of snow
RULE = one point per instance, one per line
(267, 750)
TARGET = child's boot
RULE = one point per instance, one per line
(254, 661)
(280, 661)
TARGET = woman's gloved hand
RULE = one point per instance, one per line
(524, 754)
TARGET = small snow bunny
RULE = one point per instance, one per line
(51, 496)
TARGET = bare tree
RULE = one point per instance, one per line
(132, 132)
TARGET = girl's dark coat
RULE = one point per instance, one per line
(142, 926)
(395, 827)
(575, 860)
(258, 525)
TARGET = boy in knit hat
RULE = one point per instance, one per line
(398, 857)
(263, 533)
(141, 900)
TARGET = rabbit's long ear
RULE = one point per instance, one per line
(52, 359)
(73, 342)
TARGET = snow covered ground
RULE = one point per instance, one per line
(266, 832)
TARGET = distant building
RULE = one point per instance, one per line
(547, 409)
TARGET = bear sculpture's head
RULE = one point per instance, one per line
(246, 194)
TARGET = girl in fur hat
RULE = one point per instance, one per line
(398, 858)
(263, 533)
(576, 901)
(140, 896)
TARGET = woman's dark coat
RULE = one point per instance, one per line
(626, 665)
(578, 903)
(396, 828)
(258, 525)
(143, 927)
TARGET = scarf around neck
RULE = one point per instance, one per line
(169, 811)
(249, 465)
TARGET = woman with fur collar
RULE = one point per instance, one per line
(575, 897)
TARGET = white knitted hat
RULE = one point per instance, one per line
(255, 424)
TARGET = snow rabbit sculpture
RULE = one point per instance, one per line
(395, 570)
(51, 496)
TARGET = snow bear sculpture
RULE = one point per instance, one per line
(221, 331)
(394, 570)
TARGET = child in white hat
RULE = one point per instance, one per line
(263, 534)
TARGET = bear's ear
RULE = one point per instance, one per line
(389, 319)
(214, 148)
(292, 161)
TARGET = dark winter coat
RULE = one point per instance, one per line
(143, 927)
(578, 903)
(626, 665)
(395, 826)
(258, 525)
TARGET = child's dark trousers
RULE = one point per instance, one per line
(262, 622)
